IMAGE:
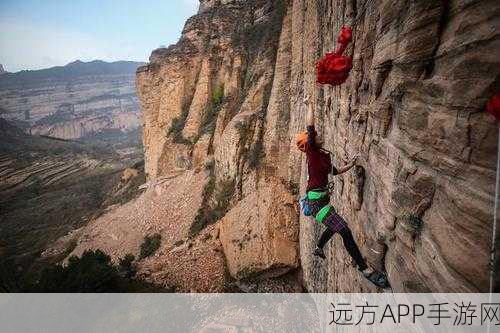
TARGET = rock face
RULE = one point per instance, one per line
(76, 101)
(259, 235)
(420, 201)
(2, 70)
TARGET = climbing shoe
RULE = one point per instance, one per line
(318, 252)
(377, 278)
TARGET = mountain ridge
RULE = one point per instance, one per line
(69, 71)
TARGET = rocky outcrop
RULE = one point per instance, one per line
(79, 100)
(186, 264)
(259, 235)
(420, 202)
(2, 70)
(427, 149)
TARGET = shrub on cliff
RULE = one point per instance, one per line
(216, 203)
(150, 245)
(127, 267)
(208, 125)
(175, 130)
(415, 222)
(92, 272)
(255, 154)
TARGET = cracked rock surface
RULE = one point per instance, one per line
(228, 96)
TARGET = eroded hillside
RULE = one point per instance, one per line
(49, 187)
(221, 111)
(76, 101)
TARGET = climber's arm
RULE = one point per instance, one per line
(310, 111)
(345, 168)
(311, 131)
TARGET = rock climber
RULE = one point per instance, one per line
(319, 166)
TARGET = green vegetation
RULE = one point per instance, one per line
(414, 222)
(92, 272)
(45, 208)
(33, 216)
(208, 123)
(150, 245)
(200, 220)
(216, 103)
(255, 154)
(218, 96)
(241, 128)
(127, 267)
(216, 202)
(175, 130)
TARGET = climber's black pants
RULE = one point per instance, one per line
(349, 244)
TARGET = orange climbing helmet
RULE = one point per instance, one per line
(302, 141)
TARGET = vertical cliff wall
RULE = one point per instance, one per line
(228, 98)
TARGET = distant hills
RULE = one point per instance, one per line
(70, 71)
(79, 100)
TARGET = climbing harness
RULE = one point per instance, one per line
(316, 197)
(317, 194)
(306, 201)
(304, 205)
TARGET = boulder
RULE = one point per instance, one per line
(260, 234)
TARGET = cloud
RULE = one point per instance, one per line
(22, 44)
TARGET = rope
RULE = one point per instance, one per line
(493, 246)
(493, 241)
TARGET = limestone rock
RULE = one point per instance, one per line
(260, 234)
(128, 174)
(420, 201)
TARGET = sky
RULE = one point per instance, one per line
(38, 34)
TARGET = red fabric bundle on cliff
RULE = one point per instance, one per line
(493, 106)
(334, 68)
(345, 36)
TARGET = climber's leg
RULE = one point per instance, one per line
(325, 237)
(377, 278)
(334, 223)
(352, 248)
